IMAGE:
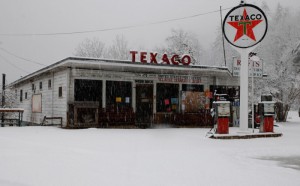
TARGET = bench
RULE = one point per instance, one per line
(11, 121)
(51, 118)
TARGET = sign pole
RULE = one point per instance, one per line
(252, 96)
(244, 90)
(244, 82)
(244, 27)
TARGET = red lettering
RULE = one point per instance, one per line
(165, 59)
(174, 59)
(186, 60)
(153, 57)
(143, 56)
(133, 55)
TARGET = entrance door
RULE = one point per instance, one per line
(144, 103)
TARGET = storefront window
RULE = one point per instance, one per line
(88, 90)
(193, 88)
(167, 99)
(118, 94)
(193, 98)
(231, 91)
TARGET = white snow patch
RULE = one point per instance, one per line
(54, 156)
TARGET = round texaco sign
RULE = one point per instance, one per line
(245, 25)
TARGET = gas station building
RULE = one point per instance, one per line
(88, 92)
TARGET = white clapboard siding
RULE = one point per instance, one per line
(52, 105)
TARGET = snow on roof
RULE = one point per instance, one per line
(125, 65)
(11, 110)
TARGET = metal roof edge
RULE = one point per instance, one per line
(52, 66)
(38, 72)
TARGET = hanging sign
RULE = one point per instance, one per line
(255, 67)
(245, 25)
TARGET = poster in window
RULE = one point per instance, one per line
(193, 101)
(174, 100)
(118, 99)
(127, 100)
(174, 107)
(37, 103)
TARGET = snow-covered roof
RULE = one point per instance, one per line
(128, 66)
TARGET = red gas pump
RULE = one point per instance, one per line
(222, 109)
(267, 112)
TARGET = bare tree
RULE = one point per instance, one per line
(216, 52)
(91, 48)
(280, 51)
(95, 48)
(119, 49)
(181, 42)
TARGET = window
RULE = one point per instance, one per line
(231, 92)
(60, 92)
(193, 98)
(167, 97)
(118, 93)
(193, 88)
(88, 90)
(41, 85)
(25, 95)
(21, 95)
(49, 84)
(32, 87)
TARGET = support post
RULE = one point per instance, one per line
(3, 99)
(244, 90)
(133, 99)
(244, 93)
(104, 93)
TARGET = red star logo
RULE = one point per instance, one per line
(244, 26)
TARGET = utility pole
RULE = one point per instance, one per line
(3, 99)
(223, 36)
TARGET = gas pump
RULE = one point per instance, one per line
(222, 114)
(266, 110)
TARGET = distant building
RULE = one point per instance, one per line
(86, 92)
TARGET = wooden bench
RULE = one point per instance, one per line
(51, 118)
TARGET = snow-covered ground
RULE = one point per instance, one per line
(53, 156)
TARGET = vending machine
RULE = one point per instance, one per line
(222, 115)
(266, 110)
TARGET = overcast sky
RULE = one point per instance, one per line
(22, 17)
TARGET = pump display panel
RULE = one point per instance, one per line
(223, 109)
(269, 108)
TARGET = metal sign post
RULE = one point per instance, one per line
(244, 27)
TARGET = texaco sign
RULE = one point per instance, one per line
(245, 25)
